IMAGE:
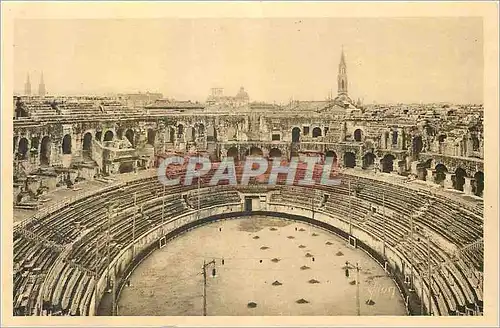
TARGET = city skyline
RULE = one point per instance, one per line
(274, 59)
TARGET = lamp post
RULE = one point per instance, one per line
(204, 273)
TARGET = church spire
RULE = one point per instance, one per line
(342, 75)
(41, 87)
(27, 85)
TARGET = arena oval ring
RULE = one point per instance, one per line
(84, 249)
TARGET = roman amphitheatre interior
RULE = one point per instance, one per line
(96, 232)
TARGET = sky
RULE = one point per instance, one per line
(389, 60)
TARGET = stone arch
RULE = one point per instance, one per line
(475, 143)
(423, 168)
(358, 135)
(296, 134)
(151, 137)
(254, 151)
(316, 132)
(211, 133)
(126, 167)
(387, 163)
(332, 154)
(234, 153)
(395, 136)
(368, 160)
(109, 135)
(45, 151)
(98, 136)
(171, 134)
(441, 171)
(385, 139)
(129, 134)
(201, 130)
(349, 159)
(191, 133)
(417, 144)
(459, 179)
(66, 144)
(275, 152)
(22, 148)
(87, 143)
(180, 130)
(35, 144)
(479, 183)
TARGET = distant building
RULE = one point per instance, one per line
(27, 86)
(140, 99)
(342, 98)
(217, 98)
(41, 87)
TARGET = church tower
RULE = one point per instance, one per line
(41, 87)
(342, 76)
(27, 86)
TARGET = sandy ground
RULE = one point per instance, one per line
(258, 252)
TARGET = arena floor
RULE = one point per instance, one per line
(258, 252)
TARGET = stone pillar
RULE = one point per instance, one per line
(414, 169)
(400, 139)
(430, 175)
(448, 182)
(400, 167)
(359, 163)
(468, 185)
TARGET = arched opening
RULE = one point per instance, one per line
(331, 154)
(296, 134)
(233, 152)
(171, 134)
(87, 144)
(316, 132)
(459, 182)
(479, 177)
(349, 159)
(423, 169)
(475, 143)
(129, 134)
(368, 160)
(395, 137)
(386, 139)
(254, 151)
(151, 137)
(388, 163)
(108, 136)
(211, 134)
(275, 153)
(66, 145)
(441, 171)
(343, 85)
(180, 131)
(201, 130)
(358, 134)
(98, 136)
(22, 149)
(35, 143)
(45, 151)
(126, 167)
(441, 138)
(417, 144)
(192, 134)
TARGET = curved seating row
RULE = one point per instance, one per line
(67, 281)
